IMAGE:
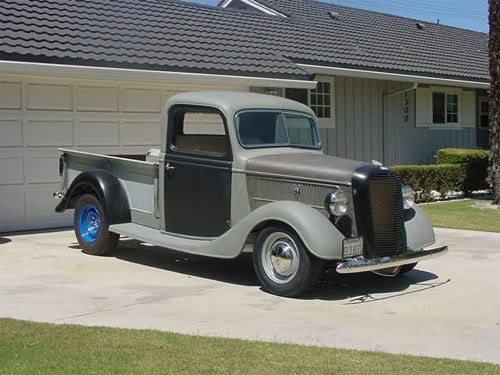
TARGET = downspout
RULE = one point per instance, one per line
(384, 123)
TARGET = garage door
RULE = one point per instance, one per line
(39, 115)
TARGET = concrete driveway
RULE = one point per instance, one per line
(448, 307)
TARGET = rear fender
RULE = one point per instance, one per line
(106, 187)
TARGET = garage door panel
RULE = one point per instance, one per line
(56, 97)
(140, 100)
(12, 209)
(43, 169)
(11, 132)
(98, 132)
(10, 95)
(140, 133)
(40, 203)
(11, 170)
(49, 132)
(96, 98)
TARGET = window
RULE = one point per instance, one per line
(276, 129)
(321, 100)
(484, 114)
(199, 130)
(299, 95)
(444, 108)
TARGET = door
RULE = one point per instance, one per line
(198, 161)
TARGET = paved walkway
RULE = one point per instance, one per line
(448, 307)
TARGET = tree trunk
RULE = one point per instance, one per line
(494, 47)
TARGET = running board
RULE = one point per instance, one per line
(156, 237)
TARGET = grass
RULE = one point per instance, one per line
(36, 348)
(461, 215)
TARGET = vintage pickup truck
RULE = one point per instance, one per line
(242, 170)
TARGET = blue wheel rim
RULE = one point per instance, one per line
(90, 223)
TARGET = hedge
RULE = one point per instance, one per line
(475, 163)
(425, 178)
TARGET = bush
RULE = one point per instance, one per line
(475, 163)
(425, 178)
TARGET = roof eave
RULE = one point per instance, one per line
(95, 72)
(370, 74)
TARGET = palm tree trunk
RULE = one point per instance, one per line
(494, 47)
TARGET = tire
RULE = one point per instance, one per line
(91, 227)
(293, 273)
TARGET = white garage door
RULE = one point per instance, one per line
(39, 115)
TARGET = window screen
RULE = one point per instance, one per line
(299, 95)
(438, 108)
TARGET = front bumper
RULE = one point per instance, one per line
(360, 264)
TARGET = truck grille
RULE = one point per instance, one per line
(378, 203)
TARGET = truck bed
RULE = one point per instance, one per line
(138, 177)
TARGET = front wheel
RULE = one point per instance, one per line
(283, 264)
(91, 227)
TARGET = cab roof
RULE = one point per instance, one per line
(231, 102)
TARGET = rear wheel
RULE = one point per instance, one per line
(91, 227)
(283, 264)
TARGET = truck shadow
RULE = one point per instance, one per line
(237, 271)
(360, 288)
(333, 287)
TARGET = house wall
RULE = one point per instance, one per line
(39, 114)
(359, 131)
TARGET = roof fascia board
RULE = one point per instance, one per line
(256, 5)
(17, 67)
(318, 69)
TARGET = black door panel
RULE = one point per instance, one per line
(197, 196)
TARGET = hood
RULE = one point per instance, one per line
(306, 165)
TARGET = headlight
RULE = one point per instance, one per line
(408, 197)
(336, 203)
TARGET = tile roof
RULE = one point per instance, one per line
(176, 36)
(154, 34)
(371, 40)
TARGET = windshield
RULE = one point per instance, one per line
(276, 129)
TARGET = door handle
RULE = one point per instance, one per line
(170, 169)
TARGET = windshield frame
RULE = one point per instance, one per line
(282, 114)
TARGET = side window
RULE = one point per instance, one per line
(484, 114)
(321, 100)
(444, 108)
(199, 130)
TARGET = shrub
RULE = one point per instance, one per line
(475, 163)
(425, 178)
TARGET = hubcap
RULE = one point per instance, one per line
(280, 257)
(90, 223)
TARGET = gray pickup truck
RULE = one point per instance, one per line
(241, 170)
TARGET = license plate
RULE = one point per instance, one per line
(353, 247)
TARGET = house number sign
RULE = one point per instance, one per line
(406, 108)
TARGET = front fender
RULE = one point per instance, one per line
(419, 231)
(319, 235)
(106, 188)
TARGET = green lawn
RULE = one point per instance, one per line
(461, 215)
(34, 348)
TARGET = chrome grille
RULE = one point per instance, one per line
(262, 190)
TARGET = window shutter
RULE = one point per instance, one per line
(424, 108)
(468, 109)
